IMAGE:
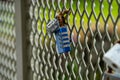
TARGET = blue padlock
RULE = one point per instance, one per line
(59, 28)
(62, 40)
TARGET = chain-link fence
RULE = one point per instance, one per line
(93, 28)
(7, 41)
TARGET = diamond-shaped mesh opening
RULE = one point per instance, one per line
(93, 27)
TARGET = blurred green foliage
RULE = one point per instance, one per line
(78, 8)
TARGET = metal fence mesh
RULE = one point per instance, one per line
(7, 41)
(93, 28)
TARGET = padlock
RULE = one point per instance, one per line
(62, 40)
(52, 25)
(112, 57)
(59, 28)
(111, 76)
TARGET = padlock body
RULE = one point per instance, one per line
(112, 57)
(53, 25)
(62, 40)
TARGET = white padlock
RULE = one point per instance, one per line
(112, 57)
(52, 25)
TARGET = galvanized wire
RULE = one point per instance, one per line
(93, 28)
(7, 41)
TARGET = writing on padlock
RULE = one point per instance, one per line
(58, 26)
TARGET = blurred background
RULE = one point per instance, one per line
(93, 27)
